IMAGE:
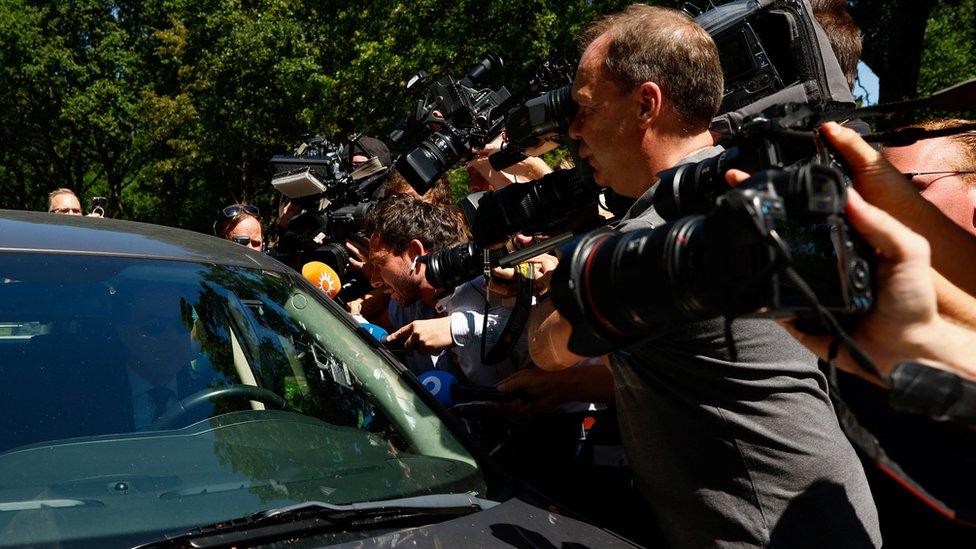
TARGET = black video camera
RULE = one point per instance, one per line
(333, 197)
(772, 52)
(728, 262)
(467, 118)
(546, 111)
(563, 200)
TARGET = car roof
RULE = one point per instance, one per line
(22, 231)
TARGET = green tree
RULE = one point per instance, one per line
(172, 108)
(950, 46)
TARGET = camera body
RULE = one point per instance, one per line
(333, 200)
(98, 205)
(557, 201)
(798, 217)
(466, 118)
(623, 287)
(772, 52)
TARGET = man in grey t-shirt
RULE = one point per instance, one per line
(734, 439)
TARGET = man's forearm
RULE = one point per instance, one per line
(594, 382)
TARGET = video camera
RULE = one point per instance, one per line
(547, 110)
(772, 52)
(466, 117)
(563, 200)
(333, 196)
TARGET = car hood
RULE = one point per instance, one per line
(513, 523)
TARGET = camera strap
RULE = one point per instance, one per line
(868, 444)
(516, 320)
(860, 437)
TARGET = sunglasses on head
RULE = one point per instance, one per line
(238, 209)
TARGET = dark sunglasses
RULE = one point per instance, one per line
(236, 210)
(245, 240)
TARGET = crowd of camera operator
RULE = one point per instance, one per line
(767, 304)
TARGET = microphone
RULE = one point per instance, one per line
(382, 336)
(448, 391)
(323, 277)
(440, 384)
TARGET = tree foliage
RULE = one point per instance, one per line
(172, 108)
(917, 46)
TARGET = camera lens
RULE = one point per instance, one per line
(628, 283)
(452, 267)
(425, 164)
(691, 189)
(334, 255)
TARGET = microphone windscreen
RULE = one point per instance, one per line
(376, 331)
(440, 384)
(323, 277)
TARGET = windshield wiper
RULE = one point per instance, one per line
(317, 516)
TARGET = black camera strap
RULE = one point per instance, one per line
(859, 436)
(868, 444)
(516, 320)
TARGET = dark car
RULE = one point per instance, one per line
(168, 388)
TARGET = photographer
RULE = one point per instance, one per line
(65, 202)
(431, 320)
(728, 426)
(241, 223)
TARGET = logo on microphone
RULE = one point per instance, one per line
(432, 384)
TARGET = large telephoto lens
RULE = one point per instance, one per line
(624, 284)
(542, 205)
(692, 189)
(425, 164)
(452, 267)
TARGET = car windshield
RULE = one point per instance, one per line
(145, 397)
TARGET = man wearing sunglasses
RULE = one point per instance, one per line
(943, 169)
(241, 223)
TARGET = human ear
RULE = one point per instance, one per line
(649, 95)
(415, 249)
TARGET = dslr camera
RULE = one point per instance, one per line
(563, 200)
(333, 196)
(466, 117)
(776, 245)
